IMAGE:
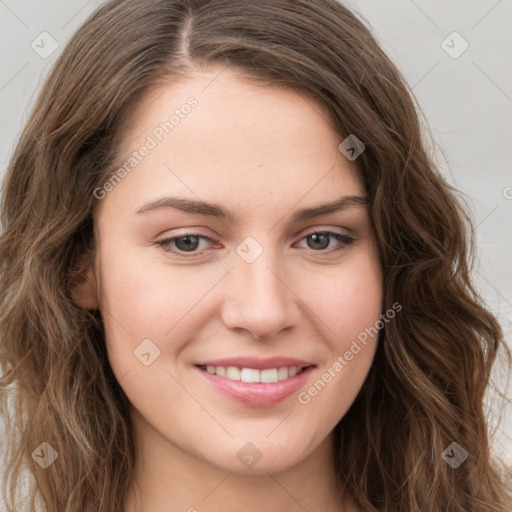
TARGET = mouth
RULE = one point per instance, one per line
(256, 383)
(254, 375)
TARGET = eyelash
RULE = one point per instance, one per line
(344, 239)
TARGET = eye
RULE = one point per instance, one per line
(319, 241)
(187, 243)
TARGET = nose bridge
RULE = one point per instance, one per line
(262, 282)
(259, 300)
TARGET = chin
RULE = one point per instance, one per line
(260, 458)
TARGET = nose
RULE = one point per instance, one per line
(259, 298)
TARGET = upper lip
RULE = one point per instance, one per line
(257, 363)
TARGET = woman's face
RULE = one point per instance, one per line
(235, 249)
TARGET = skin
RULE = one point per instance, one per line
(263, 153)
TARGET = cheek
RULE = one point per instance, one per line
(347, 300)
(145, 296)
(136, 304)
(150, 313)
(350, 310)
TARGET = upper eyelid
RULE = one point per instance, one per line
(302, 232)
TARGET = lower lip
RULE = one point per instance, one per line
(257, 394)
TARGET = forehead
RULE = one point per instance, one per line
(241, 141)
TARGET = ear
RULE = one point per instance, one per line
(83, 284)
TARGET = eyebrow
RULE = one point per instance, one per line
(204, 208)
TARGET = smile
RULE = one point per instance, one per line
(254, 382)
(253, 375)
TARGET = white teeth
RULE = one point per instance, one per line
(282, 373)
(251, 375)
(233, 373)
(269, 375)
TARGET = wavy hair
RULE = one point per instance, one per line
(433, 364)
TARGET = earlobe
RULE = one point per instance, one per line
(83, 288)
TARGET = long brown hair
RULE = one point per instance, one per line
(433, 364)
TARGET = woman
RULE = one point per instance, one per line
(232, 277)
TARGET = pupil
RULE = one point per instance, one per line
(320, 240)
(191, 243)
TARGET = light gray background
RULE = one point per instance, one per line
(467, 102)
